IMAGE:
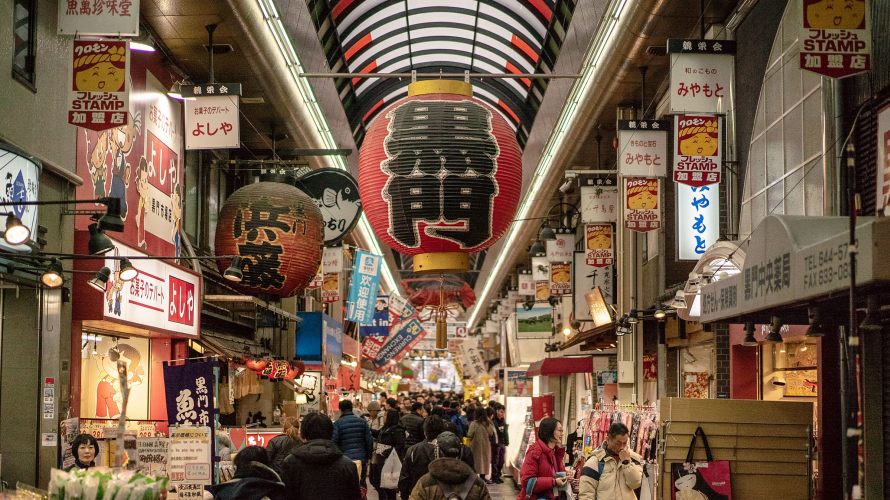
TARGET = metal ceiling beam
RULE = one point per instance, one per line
(530, 76)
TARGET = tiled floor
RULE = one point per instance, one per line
(506, 491)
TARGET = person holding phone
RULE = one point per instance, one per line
(543, 462)
(613, 470)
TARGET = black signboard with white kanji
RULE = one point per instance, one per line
(210, 89)
(685, 46)
(644, 125)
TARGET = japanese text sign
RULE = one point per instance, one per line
(409, 332)
(317, 280)
(330, 289)
(835, 39)
(210, 90)
(598, 309)
(99, 17)
(189, 390)
(883, 161)
(701, 75)
(190, 464)
(363, 292)
(598, 247)
(152, 454)
(380, 326)
(332, 259)
(586, 278)
(22, 174)
(698, 219)
(212, 122)
(471, 359)
(399, 310)
(561, 248)
(526, 283)
(99, 80)
(698, 155)
(642, 210)
(599, 203)
(642, 148)
(560, 278)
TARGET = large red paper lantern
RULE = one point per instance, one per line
(440, 175)
(277, 231)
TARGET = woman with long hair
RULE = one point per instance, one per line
(480, 434)
(543, 461)
(392, 437)
(279, 447)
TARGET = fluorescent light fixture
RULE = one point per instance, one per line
(307, 94)
(142, 47)
(543, 172)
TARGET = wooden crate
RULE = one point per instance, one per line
(766, 443)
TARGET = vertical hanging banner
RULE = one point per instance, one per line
(526, 283)
(561, 278)
(99, 17)
(701, 75)
(99, 79)
(599, 199)
(371, 347)
(380, 326)
(698, 219)
(698, 154)
(212, 119)
(189, 390)
(835, 38)
(642, 211)
(883, 160)
(586, 278)
(561, 248)
(471, 359)
(642, 148)
(332, 259)
(362, 293)
(598, 245)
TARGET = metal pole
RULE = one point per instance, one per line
(530, 76)
(643, 70)
(852, 401)
(210, 29)
(702, 29)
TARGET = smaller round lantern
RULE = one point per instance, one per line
(277, 231)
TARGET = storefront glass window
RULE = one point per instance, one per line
(697, 374)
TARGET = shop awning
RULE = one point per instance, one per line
(794, 260)
(227, 346)
(588, 335)
(558, 367)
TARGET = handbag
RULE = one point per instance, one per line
(389, 475)
(700, 480)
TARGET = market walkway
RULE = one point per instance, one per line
(506, 491)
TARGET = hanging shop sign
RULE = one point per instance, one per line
(190, 464)
(561, 248)
(118, 18)
(330, 289)
(381, 323)
(317, 280)
(21, 175)
(599, 200)
(526, 282)
(362, 292)
(642, 148)
(560, 278)
(190, 389)
(399, 343)
(471, 359)
(598, 245)
(698, 155)
(642, 211)
(882, 200)
(513, 295)
(835, 40)
(540, 269)
(332, 259)
(336, 194)
(701, 75)
(596, 305)
(698, 219)
(213, 121)
(455, 329)
(542, 290)
(99, 76)
(400, 310)
(586, 278)
(371, 347)
(333, 348)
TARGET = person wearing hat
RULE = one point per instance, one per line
(374, 417)
(449, 478)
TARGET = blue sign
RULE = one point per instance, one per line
(333, 346)
(362, 293)
(410, 330)
(189, 389)
(380, 326)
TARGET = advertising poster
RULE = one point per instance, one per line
(310, 385)
(599, 200)
(698, 158)
(518, 385)
(698, 219)
(69, 429)
(332, 259)
(542, 290)
(380, 326)
(560, 278)
(536, 322)
(883, 194)
(408, 332)
(642, 210)
(835, 38)
(362, 293)
(561, 248)
(117, 18)
(20, 175)
(701, 75)
(642, 148)
(588, 277)
(152, 455)
(330, 288)
(598, 245)
(102, 396)
(99, 95)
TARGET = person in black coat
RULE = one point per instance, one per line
(418, 457)
(499, 447)
(317, 469)
(279, 447)
(254, 479)
(392, 437)
(413, 423)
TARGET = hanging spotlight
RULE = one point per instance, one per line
(815, 329)
(537, 249)
(659, 314)
(528, 304)
(100, 244)
(95, 350)
(128, 272)
(775, 326)
(632, 319)
(176, 91)
(872, 320)
(301, 399)
(778, 380)
(693, 281)
(707, 273)
(233, 273)
(16, 232)
(547, 233)
(112, 220)
(101, 279)
(52, 276)
(749, 341)
(679, 300)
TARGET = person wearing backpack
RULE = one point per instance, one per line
(612, 471)
(449, 478)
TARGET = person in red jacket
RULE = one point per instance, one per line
(543, 460)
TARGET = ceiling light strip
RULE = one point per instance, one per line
(554, 143)
(286, 48)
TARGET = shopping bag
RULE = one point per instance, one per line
(700, 480)
(389, 476)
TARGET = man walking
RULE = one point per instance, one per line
(353, 436)
(317, 468)
(413, 423)
(612, 471)
(499, 451)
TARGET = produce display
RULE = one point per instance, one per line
(102, 484)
